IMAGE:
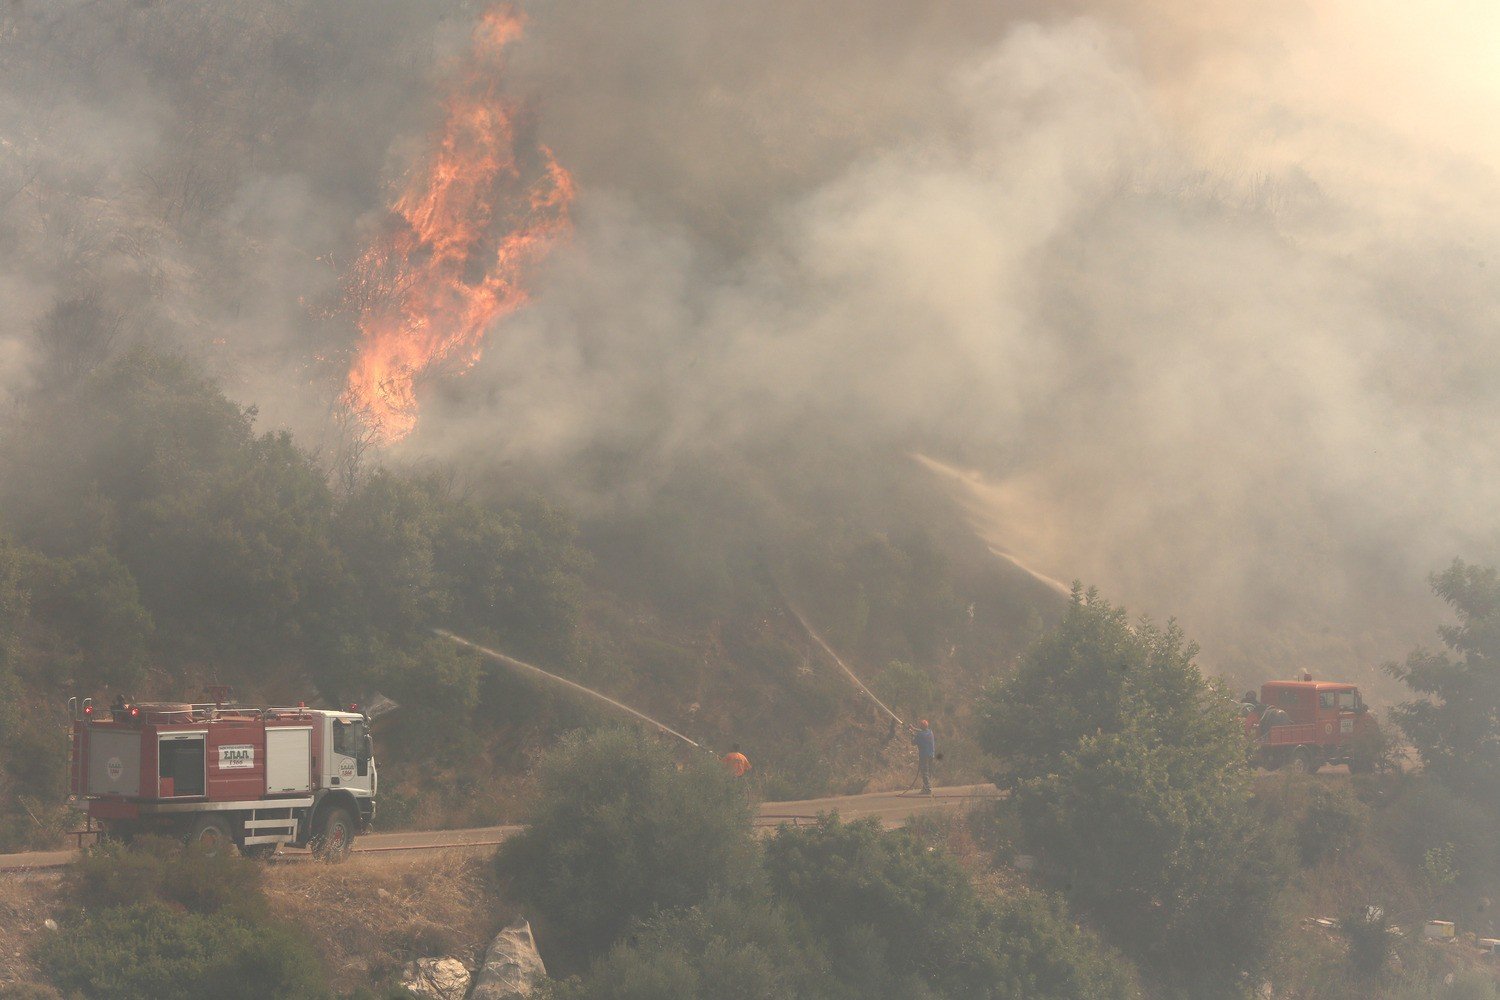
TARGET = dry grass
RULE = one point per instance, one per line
(25, 901)
(371, 915)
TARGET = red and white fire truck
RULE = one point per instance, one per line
(1307, 723)
(220, 774)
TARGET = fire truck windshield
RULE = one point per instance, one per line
(1347, 701)
(348, 736)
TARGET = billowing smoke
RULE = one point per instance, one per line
(1190, 300)
(1187, 303)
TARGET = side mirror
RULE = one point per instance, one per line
(365, 754)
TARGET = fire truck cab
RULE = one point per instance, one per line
(1307, 723)
(219, 775)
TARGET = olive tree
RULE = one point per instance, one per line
(618, 832)
(1128, 771)
(1455, 723)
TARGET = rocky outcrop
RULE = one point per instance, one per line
(512, 966)
(438, 978)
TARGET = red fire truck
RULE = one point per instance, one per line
(219, 775)
(1307, 723)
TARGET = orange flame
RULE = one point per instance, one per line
(489, 205)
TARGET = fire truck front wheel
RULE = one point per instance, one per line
(211, 834)
(335, 835)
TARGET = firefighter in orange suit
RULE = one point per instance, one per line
(738, 763)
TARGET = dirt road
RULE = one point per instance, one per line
(893, 809)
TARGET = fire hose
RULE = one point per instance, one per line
(511, 661)
(895, 719)
(842, 665)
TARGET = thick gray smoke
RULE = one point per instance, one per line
(1186, 303)
(1193, 301)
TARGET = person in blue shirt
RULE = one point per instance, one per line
(921, 735)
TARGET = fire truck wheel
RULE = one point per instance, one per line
(121, 832)
(211, 834)
(1306, 761)
(335, 835)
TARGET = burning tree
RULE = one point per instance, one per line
(490, 204)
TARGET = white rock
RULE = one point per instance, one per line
(50, 924)
(438, 978)
(512, 966)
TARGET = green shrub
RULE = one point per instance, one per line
(148, 951)
(910, 690)
(33, 782)
(92, 601)
(900, 919)
(437, 687)
(397, 811)
(158, 868)
(1369, 936)
(1438, 868)
(618, 832)
(1470, 985)
(796, 772)
(725, 949)
(1454, 722)
(1129, 775)
(157, 920)
(1332, 822)
(671, 666)
(1441, 832)
(29, 991)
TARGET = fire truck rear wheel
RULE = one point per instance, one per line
(335, 835)
(211, 834)
(120, 832)
(1306, 760)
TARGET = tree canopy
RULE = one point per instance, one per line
(647, 882)
(1128, 771)
(1455, 723)
(618, 832)
(151, 540)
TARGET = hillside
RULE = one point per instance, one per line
(158, 543)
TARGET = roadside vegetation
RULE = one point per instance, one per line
(1157, 865)
(1129, 783)
(156, 921)
(646, 881)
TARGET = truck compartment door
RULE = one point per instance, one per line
(288, 759)
(181, 765)
(114, 762)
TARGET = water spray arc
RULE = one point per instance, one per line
(842, 665)
(511, 661)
